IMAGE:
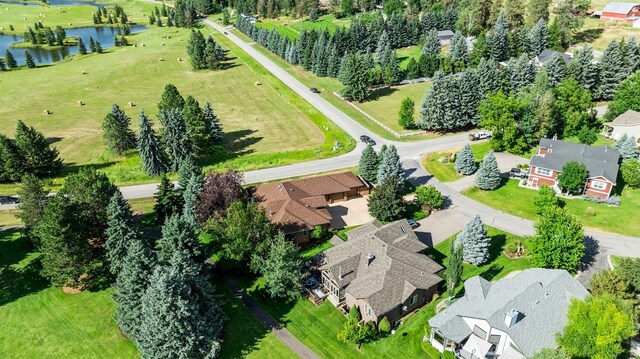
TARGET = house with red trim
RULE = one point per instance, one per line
(621, 11)
(601, 163)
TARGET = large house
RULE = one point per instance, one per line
(382, 269)
(296, 207)
(628, 122)
(546, 55)
(601, 163)
(621, 11)
(511, 318)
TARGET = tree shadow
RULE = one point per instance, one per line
(592, 249)
(16, 279)
(238, 141)
(381, 92)
(497, 243)
(503, 182)
(71, 168)
(491, 271)
(588, 35)
(436, 256)
(52, 140)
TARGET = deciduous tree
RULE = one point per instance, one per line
(559, 240)
(405, 116)
(545, 199)
(220, 190)
(630, 170)
(281, 268)
(573, 176)
(429, 196)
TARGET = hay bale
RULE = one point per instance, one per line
(162, 44)
(142, 45)
(134, 45)
(46, 112)
(258, 83)
(80, 103)
(24, 18)
(84, 72)
(161, 59)
(70, 24)
(130, 104)
(179, 59)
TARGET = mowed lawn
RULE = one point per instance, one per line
(265, 123)
(598, 33)
(519, 201)
(445, 172)
(384, 104)
(292, 27)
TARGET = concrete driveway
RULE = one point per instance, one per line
(439, 226)
(349, 213)
(506, 161)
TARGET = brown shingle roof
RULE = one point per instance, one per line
(629, 118)
(397, 265)
(300, 204)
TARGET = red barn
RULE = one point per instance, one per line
(621, 11)
(601, 163)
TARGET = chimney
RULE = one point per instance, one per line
(555, 137)
(370, 258)
(511, 318)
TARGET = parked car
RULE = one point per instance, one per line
(517, 173)
(368, 140)
(226, 33)
(314, 90)
(8, 200)
(480, 135)
(412, 223)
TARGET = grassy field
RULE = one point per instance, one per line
(519, 201)
(444, 171)
(292, 27)
(598, 33)
(384, 104)
(265, 126)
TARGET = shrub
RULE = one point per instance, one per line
(613, 200)
(354, 313)
(429, 196)
(419, 215)
(317, 232)
(511, 247)
(384, 327)
(590, 212)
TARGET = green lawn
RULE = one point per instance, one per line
(598, 33)
(265, 126)
(292, 27)
(405, 54)
(43, 322)
(519, 201)
(444, 171)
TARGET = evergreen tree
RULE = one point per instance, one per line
(384, 44)
(441, 106)
(522, 72)
(153, 157)
(556, 69)
(621, 142)
(188, 169)
(190, 197)
(92, 44)
(354, 75)
(175, 139)
(198, 128)
(488, 176)
(179, 235)
(538, 37)
(168, 201)
(131, 283)
(386, 203)
(35, 152)
(171, 98)
(459, 49)
(81, 48)
(196, 45)
(487, 76)
(98, 47)
(628, 149)
(368, 166)
(391, 166)
(117, 134)
(33, 198)
(405, 116)
(29, 61)
(626, 97)
(454, 267)
(514, 11)
(465, 161)
(11, 61)
(3, 66)
(536, 10)
(122, 230)
(612, 71)
(431, 44)
(11, 164)
(475, 241)
(497, 40)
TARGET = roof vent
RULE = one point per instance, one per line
(546, 295)
(402, 229)
(511, 318)
(535, 304)
(370, 258)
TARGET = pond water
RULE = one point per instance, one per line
(103, 34)
(53, 3)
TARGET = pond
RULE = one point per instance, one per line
(53, 3)
(103, 34)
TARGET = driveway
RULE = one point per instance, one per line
(440, 226)
(353, 212)
(506, 161)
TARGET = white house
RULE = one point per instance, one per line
(628, 122)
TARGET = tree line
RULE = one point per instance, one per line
(44, 35)
(115, 16)
(205, 54)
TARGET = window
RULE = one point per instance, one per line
(543, 171)
(479, 332)
(598, 185)
(494, 339)
(367, 310)
(414, 299)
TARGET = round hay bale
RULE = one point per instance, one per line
(142, 45)
(84, 72)
(134, 45)
(258, 83)
(80, 103)
(161, 59)
(1, 28)
(46, 112)
(130, 104)
(24, 18)
(162, 44)
(70, 24)
(179, 58)
(168, 36)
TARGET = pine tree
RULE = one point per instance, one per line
(583, 68)
(179, 235)
(153, 157)
(405, 116)
(168, 201)
(81, 48)
(459, 49)
(556, 69)
(35, 152)
(11, 163)
(175, 139)
(33, 198)
(171, 98)
(431, 44)
(3, 66)
(612, 71)
(488, 176)
(391, 166)
(465, 161)
(628, 148)
(536, 10)
(475, 241)
(214, 123)
(190, 197)
(385, 203)
(131, 283)
(488, 76)
(368, 166)
(11, 61)
(92, 44)
(196, 45)
(522, 72)
(384, 44)
(198, 128)
(514, 11)
(538, 37)
(497, 41)
(117, 134)
(354, 75)
(29, 60)
(122, 230)
(98, 47)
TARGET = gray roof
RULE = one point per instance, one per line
(619, 7)
(629, 118)
(599, 160)
(547, 54)
(445, 34)
(396, 271)
(542, 297)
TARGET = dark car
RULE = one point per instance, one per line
(412, 223)
(226, 33)
(368, 140)
(8, 200)
(517, 173)
(314, 90)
